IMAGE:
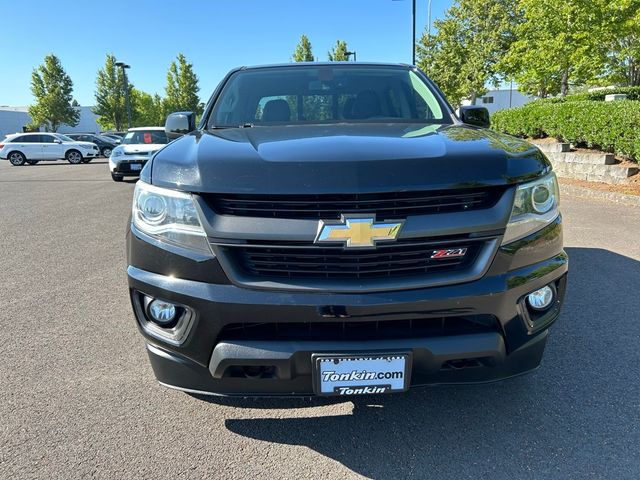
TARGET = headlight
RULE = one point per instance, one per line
(116, 153)
(535, 206)
(169, 216)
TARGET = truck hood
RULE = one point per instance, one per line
(343, 159)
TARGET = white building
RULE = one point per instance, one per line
(496, 100)
(13, 119)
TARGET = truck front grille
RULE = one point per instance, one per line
(406, 257)
(332, 206)
(360, 330)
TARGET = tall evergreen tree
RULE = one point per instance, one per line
(182, 87)
(339, 52)
(52, 89)
(110, 96)
(303, 51)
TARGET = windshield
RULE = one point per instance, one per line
(145, 137)
(326, 94)
(64, 138)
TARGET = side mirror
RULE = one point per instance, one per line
(475, 115)
(55, 140)
(179, 123)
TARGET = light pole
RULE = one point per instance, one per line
(348, 54)
(413, 38)
(413, 27)
(124, 67)
(413, 30)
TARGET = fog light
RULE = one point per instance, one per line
(541, 299)
(163, 313)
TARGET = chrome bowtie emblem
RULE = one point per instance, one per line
(357, 231)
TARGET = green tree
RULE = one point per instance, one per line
(182, 87)
(147, 110)
(110, 96)
(559, 43)
(339, 52)
(52, 89)
(303, 51)
(623, 59)
(462, 57)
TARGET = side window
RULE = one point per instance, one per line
(425, 102)
(277, 105)
(20, 139)
(46, 138)
(422, 108)
(394, 104)
(345, 105)
(317, 107)
(32, 139)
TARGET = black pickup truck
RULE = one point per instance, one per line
(337, 229)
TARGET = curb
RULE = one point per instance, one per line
(593, 194)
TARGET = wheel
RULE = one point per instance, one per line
(106, 152)
(32, 162)
(74, 157)
(17, 159)
(116, 177)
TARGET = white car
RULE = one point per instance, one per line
(31, 148)
(137, 147)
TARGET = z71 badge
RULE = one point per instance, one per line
(449, 253)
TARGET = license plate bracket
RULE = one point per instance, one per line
(347, 374)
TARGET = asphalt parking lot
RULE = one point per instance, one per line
(78, 397)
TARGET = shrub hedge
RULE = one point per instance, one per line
(632, 93)
(608, 126)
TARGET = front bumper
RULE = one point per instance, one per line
(208, 362)
(125, 165)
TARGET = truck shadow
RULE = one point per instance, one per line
(52, 163)
(576, 417)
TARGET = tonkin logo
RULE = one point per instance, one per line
(357, 231)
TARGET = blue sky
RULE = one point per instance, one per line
(215, 36)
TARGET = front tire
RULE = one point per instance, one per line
(116, 177)
(74, 157)
(17, 159)
(106, 152)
